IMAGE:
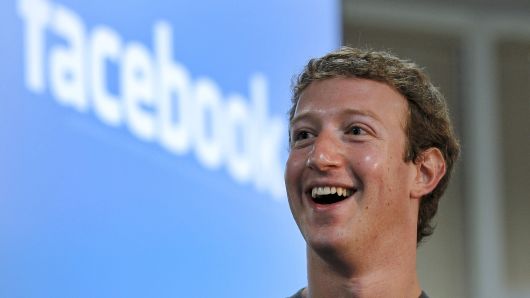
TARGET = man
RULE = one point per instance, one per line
(371, 151)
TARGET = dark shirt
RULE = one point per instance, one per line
(299, 294)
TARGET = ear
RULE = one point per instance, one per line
(430, 168)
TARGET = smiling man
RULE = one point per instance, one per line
(371, 152)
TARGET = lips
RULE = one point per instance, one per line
(327, 195)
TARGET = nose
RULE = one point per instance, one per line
(325, 154)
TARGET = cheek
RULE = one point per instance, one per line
(370, 162)
(379, 174)
(369, 165)
(293, 170)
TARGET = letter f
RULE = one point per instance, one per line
(36, 15)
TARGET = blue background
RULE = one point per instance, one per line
(87, 210)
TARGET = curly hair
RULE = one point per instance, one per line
(428, 124)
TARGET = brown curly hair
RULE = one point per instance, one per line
(428, 124)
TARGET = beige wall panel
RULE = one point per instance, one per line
(514, 97)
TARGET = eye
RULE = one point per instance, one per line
(301, 135)
(357, 130)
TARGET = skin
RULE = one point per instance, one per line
(350, 132)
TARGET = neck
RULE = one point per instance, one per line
(390, 276)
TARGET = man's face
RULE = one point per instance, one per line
(348, 137)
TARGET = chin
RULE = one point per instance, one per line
(333, 252)
(329, 241)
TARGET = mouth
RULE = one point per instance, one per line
(327, 195)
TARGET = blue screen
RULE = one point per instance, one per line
(143, 143)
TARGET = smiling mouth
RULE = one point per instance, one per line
(326, 195)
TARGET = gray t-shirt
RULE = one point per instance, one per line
(299, 294)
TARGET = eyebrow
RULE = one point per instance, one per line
(344, 112)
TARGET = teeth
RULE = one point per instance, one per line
(326, 190)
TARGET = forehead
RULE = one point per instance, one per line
(335, 96)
